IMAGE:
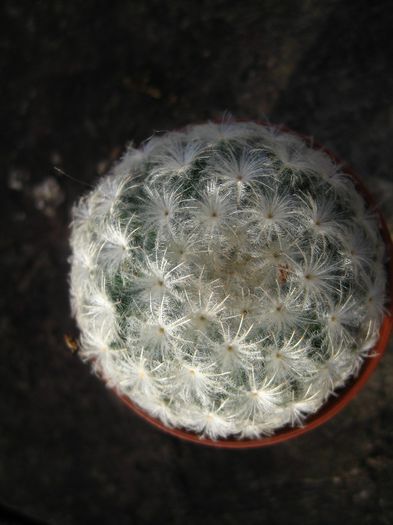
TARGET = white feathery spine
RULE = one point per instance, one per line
(227, 278)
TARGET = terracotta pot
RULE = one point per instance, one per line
(342, 396)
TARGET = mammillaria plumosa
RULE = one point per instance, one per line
(227, 278)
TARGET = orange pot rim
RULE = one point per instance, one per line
(341, 397)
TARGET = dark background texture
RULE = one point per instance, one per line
(79, 80)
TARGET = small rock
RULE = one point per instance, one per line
(47, 196)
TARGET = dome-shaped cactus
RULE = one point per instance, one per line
(227, 278)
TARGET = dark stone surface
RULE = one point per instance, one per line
(78, 81)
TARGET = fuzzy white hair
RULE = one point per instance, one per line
(227, 278)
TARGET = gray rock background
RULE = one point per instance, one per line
(79, 80)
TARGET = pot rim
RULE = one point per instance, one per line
(342, 396)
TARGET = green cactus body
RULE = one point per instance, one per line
(227, 278)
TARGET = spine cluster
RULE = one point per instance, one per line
(227, 278)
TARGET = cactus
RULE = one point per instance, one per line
(227, 278)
